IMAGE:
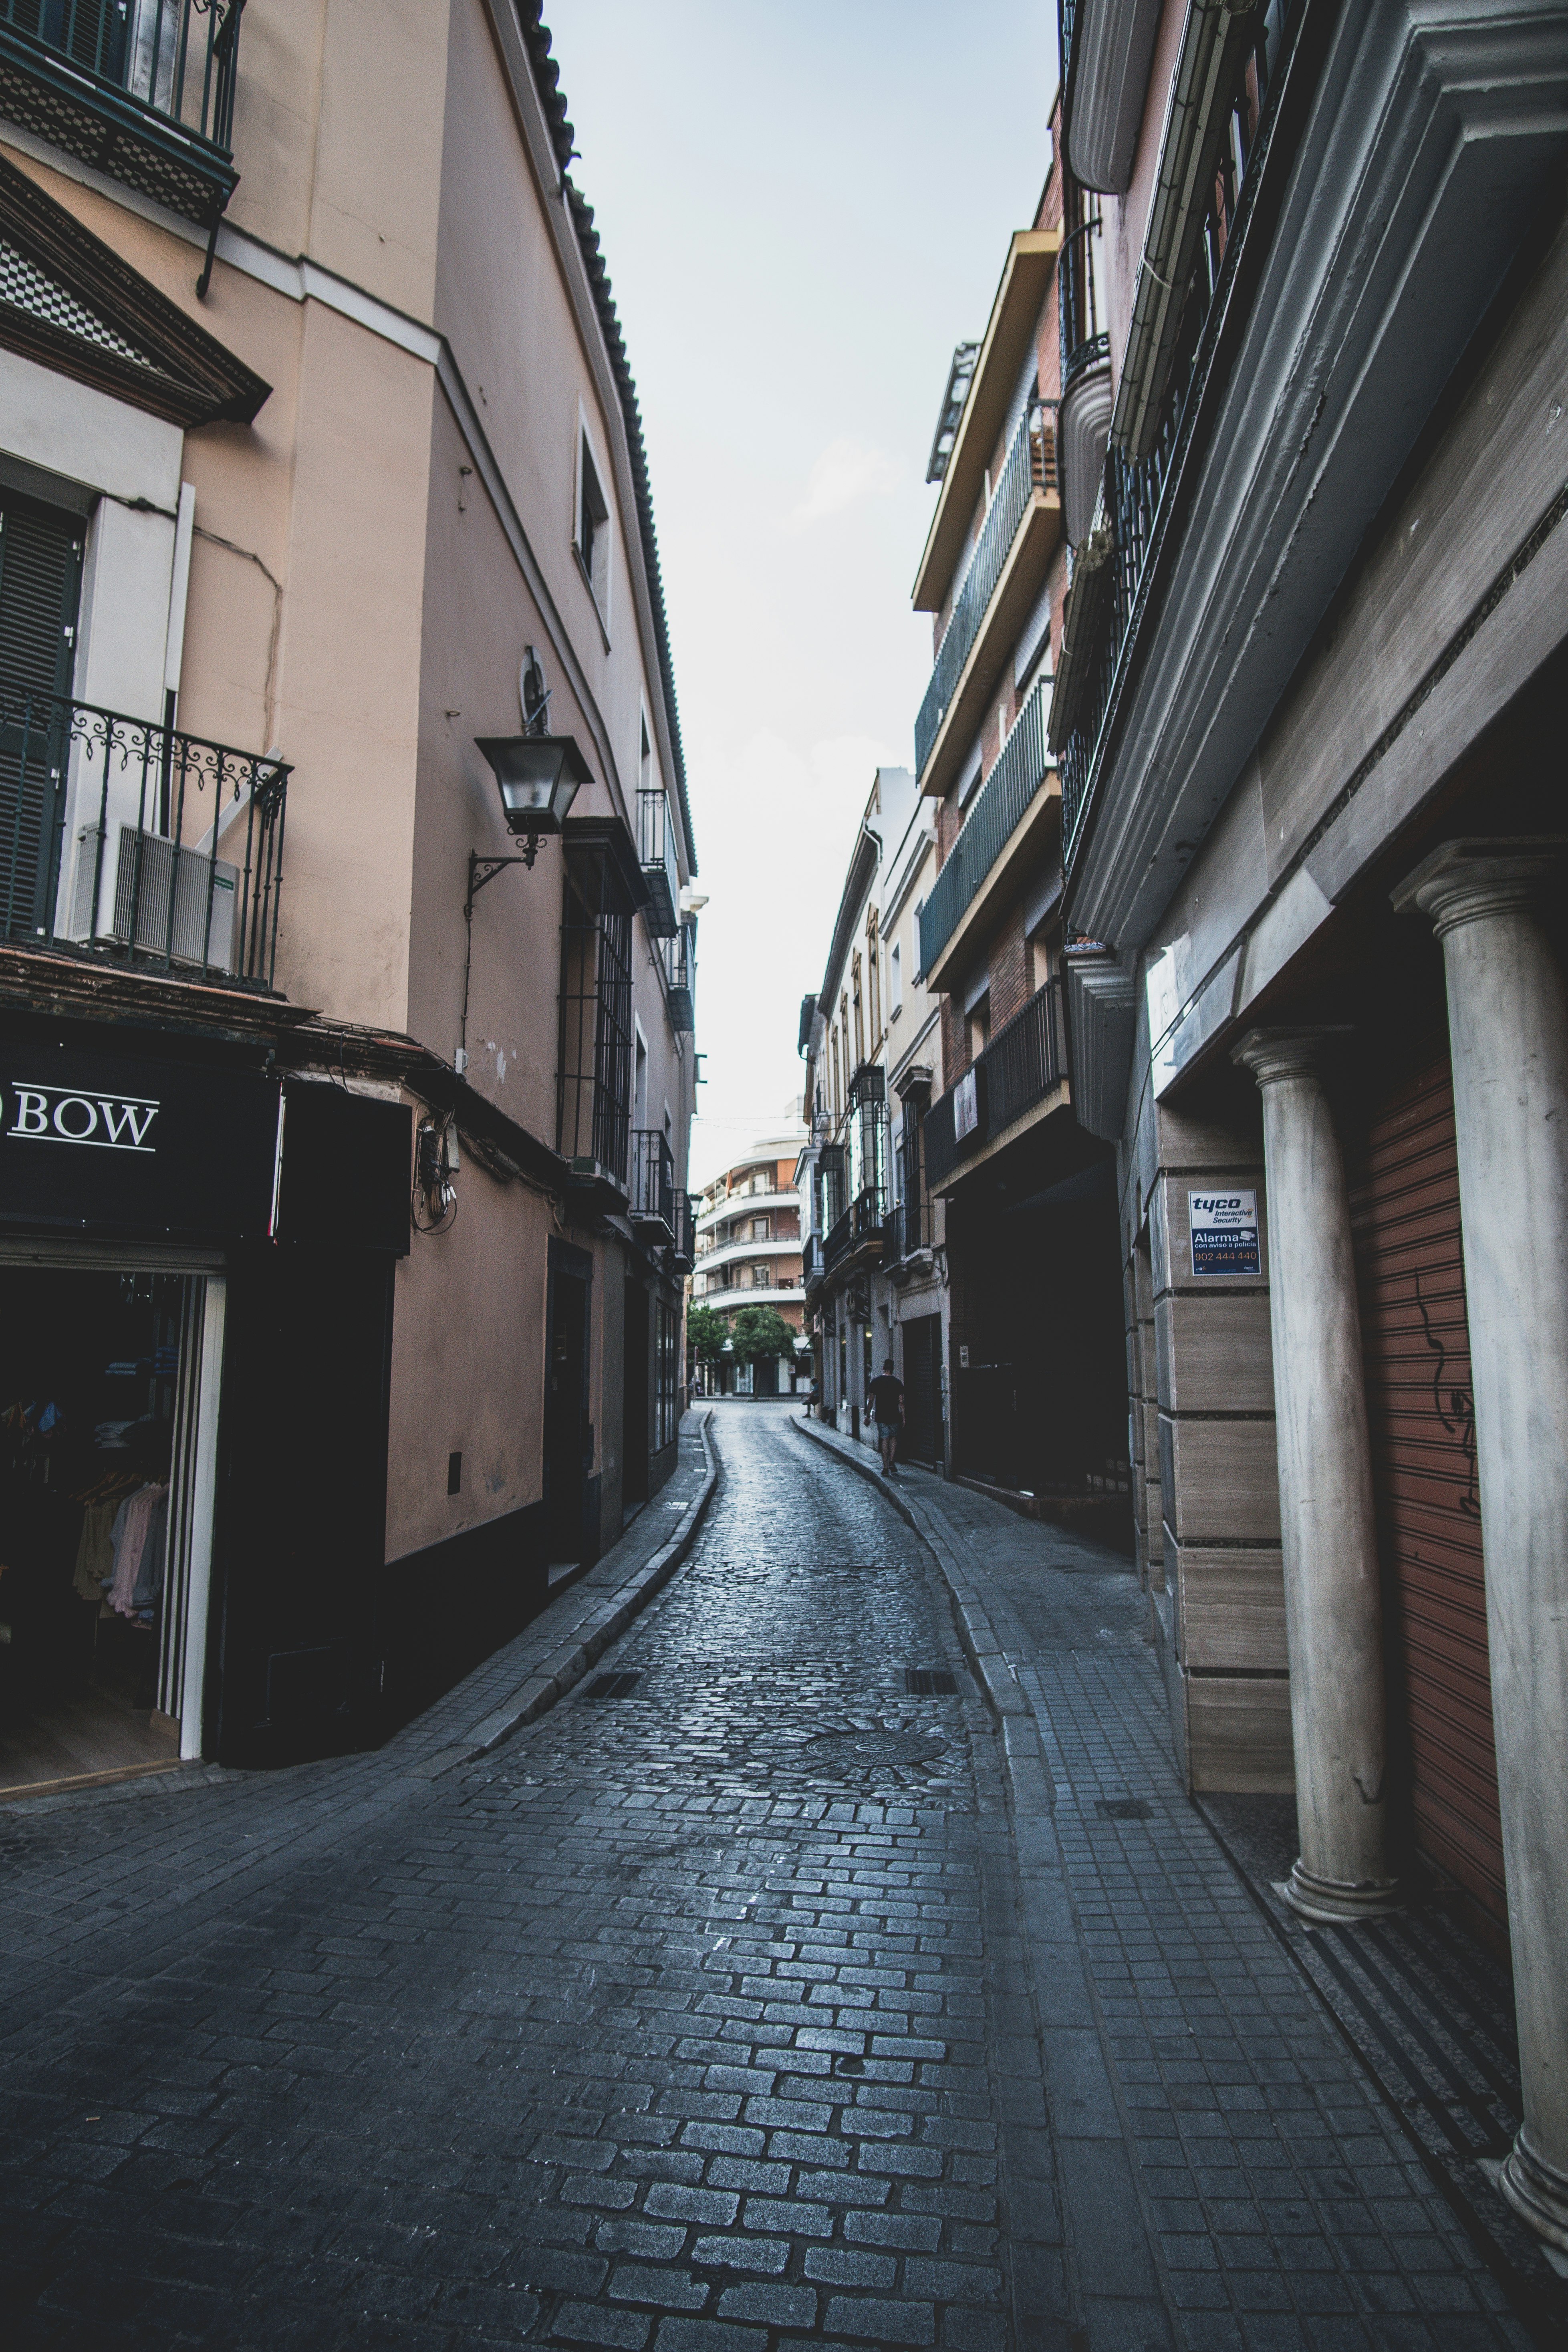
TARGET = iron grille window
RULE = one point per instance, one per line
(594, 1067)
(830, 1183)
(666, 1367)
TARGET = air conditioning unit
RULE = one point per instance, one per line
(141, 898)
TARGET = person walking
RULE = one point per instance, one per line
(887, 1404)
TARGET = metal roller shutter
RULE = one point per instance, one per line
(1404, 1203)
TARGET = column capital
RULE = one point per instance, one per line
(1474, 881)
(1274, 1055)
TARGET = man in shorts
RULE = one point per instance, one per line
(886, 1401)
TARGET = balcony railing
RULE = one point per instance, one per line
(1085, 340)
(174, 855)
(812, 1265)
(142, 89)
(1021, 1064)
(684, 1250)
(861, 1223)
(681, 971)
(1134, 486)
(656, 855)
(652, 1205)
(1004, 798)
(1030, 466)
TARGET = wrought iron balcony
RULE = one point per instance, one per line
(1085, 339)
(652, 1205)
(680, 971)
(860, 1227)
(1030, 466)
(1133, 489)
(1021, 1064)
(136, 843)
(812, 1265)
(998, 809)
(661, 871)
(142, 89)
(684, 1251)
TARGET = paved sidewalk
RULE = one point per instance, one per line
(1199, 2090)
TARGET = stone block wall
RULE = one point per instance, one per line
(1217, 1596)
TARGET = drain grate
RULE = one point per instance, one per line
(1125, 1809)
(605, 1686)
(929, 1682)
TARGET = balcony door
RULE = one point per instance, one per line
(40, 587)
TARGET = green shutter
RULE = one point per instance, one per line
(40, 586)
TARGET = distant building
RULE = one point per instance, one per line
(748, 1255)
(874, 1255)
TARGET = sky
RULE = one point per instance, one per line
(804, 208)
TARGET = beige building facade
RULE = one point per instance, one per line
(323, 467)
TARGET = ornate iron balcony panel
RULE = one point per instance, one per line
(142, 89)
(138, 843)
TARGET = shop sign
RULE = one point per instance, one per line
(965, 1106)
(1223, 1226)
(161, 1151)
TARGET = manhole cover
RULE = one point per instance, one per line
(848, 1751)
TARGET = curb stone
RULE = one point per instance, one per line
(565, 1666)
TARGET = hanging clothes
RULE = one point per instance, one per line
(149, 1589)
(95, 1552)
(130, 1527)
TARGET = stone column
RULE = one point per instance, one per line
(1508, 1032)
(1333, 1604)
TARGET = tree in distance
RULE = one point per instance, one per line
(760, 1332)
(706, 1332)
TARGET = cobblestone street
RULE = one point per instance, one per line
(758, 1992)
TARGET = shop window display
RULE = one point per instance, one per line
(89, 1397)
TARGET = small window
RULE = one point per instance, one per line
(593, 530)
(896, 979)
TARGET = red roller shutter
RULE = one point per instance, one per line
(1410, 1265)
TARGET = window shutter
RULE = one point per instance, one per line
(41, 580)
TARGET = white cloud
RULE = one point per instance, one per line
(845, 473)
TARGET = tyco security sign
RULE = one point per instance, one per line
(163, 1149)
(1225, 1232)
